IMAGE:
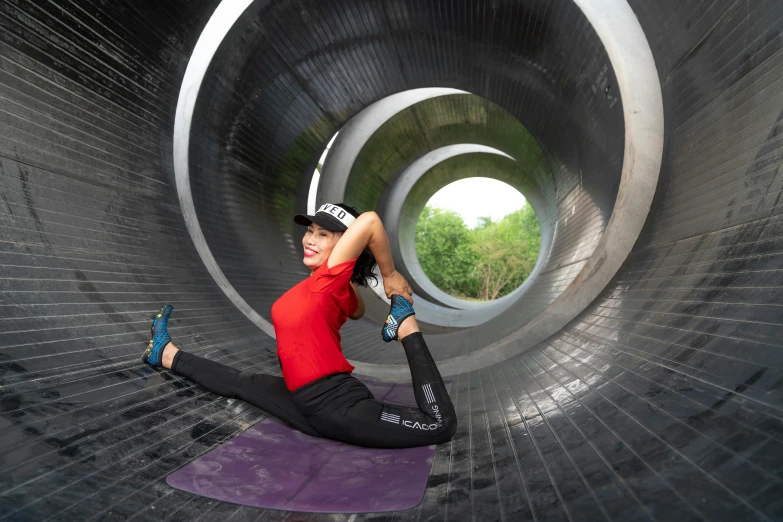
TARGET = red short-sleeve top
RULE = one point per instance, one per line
(307, 321)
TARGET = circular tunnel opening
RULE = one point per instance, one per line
(660, 394)
(312, 195)
(477, 239)
(238, 199)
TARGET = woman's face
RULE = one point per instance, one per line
(318, 244)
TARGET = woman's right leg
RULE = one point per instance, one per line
(431, 394)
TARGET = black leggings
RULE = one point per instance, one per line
(339, 406)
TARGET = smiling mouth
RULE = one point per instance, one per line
(309, 252)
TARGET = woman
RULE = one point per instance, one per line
(317, 393)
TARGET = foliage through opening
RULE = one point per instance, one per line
(483, 263)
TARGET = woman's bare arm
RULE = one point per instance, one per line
(367, 232)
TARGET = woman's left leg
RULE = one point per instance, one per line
(264, 391)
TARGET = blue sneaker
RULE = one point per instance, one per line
(401, 309)
(160, 337)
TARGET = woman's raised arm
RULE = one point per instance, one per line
(367, 231)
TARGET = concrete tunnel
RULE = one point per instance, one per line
(156, 151)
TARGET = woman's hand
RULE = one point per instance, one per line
(396, 284)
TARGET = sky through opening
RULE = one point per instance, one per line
(473, 198)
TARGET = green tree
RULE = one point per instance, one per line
(444, 250)
(485, 263)
(507, 252)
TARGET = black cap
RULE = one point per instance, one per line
(329, 216)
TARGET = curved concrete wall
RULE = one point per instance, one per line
(409, 193)
(246, 170)
(660, 401)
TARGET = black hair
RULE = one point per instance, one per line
(363, 270)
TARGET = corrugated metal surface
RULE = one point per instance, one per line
(661, 401)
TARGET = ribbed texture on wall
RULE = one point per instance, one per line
(661, 402)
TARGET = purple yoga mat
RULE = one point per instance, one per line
(271, 465)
